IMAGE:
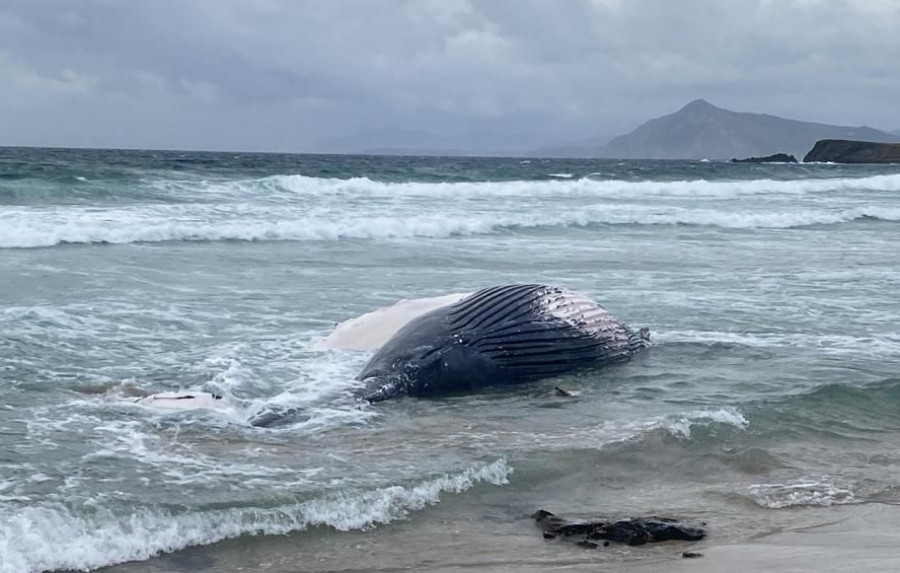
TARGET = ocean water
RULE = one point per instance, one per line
(771, 393)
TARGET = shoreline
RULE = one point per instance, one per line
(858, 537)
(841, 538)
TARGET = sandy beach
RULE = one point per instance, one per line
(844, 538)
(831, 539)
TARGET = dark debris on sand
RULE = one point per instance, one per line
(637, 531)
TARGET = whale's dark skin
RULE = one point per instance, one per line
(499, 335)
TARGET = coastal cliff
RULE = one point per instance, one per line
(847, 151)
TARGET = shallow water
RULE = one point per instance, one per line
(772, 387)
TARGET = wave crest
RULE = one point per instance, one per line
(27, 229)
(586, 187)
(55, 537)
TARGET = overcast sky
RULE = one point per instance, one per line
(298, 75)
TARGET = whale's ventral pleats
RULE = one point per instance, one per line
(499, 335)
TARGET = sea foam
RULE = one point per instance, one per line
(59, 536)
(301, 208)
(803, 492)
(24, 229)
(300, 185)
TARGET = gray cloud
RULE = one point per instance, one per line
(286, 74)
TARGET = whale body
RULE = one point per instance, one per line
(459, 342)
(499, 335)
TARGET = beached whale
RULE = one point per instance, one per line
(459, 342)
(499, 335)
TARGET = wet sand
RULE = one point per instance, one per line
(843, 538)
(831, 539)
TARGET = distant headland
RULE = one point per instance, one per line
(701, 130)
(837, 151)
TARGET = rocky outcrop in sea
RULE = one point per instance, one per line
(775, 158)
(846, 151)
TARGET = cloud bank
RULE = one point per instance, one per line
(303, 75)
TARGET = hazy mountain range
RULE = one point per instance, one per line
(393, 141)
(699, 130)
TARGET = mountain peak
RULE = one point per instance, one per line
(702, 130)
(699, 105)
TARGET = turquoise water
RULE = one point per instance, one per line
(772, 387)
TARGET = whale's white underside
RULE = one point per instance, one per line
(371, 330)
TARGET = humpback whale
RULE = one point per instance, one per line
(498, 335)
(454, 343)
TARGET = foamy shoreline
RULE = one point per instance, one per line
(858, 537)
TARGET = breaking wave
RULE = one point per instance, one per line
(563, 184)
(301, 208)
(56, 536)
(28, 229)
